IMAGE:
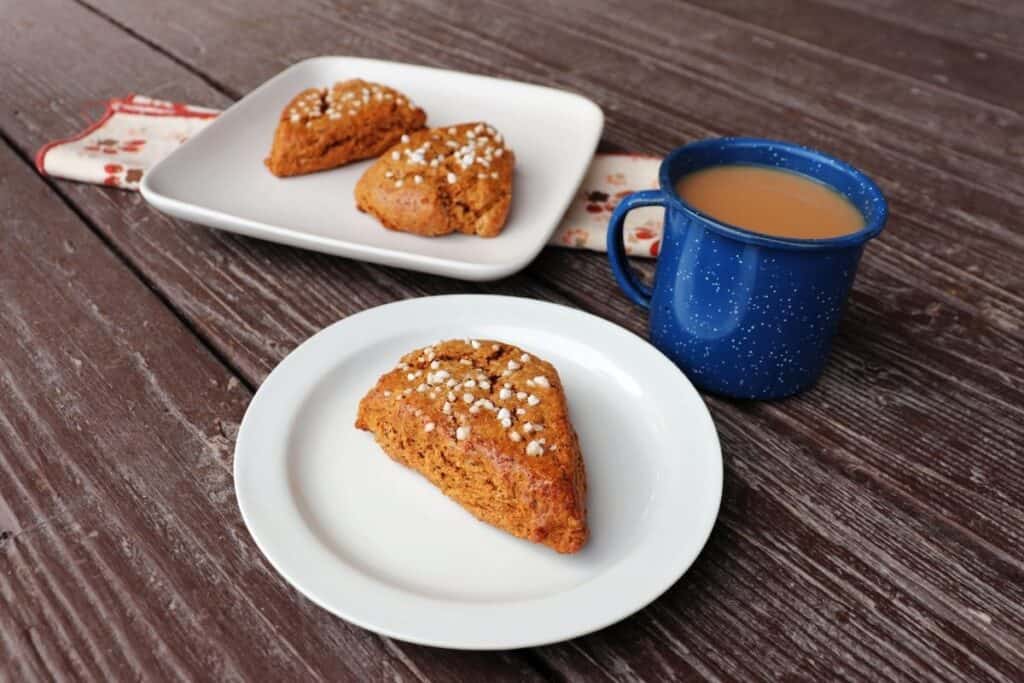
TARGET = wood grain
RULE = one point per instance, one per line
(123, 553)
(870, 528)
(979, 26)
(869, 38)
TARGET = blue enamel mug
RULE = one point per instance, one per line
(743, 314)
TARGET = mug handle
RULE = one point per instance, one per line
(627, 279)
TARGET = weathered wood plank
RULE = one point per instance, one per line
(123, 553)
(979, 26)
(886, 115)
(870, 39)
(749, 62)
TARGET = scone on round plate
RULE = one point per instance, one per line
(487, 423)
(355, 119)
(442, 180)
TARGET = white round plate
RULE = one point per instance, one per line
(376, 544)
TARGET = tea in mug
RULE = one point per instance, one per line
(770, 201)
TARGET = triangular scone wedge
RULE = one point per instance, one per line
(487, 423)
(355, 119)
(442, 180)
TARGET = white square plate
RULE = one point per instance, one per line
(218, 178)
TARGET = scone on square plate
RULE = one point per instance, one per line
(325, 128)
(487, 423)
(442, 180)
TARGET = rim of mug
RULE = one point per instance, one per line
(873, 223)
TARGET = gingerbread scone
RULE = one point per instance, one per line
(355, 119)
(487, 423)
(442, 180)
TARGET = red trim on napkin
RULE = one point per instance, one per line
(41, 154)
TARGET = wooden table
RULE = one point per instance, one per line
(872, 529)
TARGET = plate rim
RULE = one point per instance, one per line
(436, 265)
(715, 482)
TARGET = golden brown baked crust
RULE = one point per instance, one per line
(486, 423)
(442, 180)
(355, 119)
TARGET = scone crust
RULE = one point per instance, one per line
(325, 128)
(442, 180)
(459, 436)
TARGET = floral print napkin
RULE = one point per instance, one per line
(610, 178)
(135, 132)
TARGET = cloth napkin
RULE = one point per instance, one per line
(135, 132)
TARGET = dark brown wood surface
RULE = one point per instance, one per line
(872, 528)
